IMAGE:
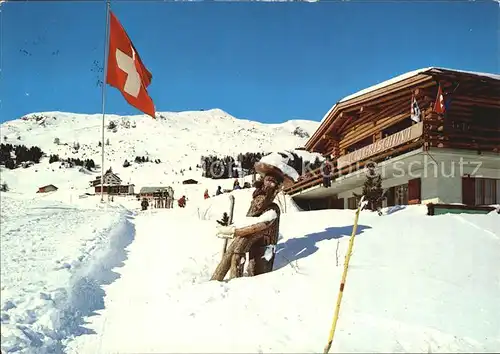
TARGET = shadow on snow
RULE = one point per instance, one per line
(302, 247)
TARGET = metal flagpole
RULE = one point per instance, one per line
(106, 47)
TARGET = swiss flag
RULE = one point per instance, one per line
(439, 106)
(126, 71)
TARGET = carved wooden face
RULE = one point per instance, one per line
(264, 194)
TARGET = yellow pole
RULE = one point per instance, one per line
(344, 276)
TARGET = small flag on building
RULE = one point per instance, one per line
(126, 72)
(439, 105)
(415, 110)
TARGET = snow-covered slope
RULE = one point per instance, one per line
(177, 139)
(78, 278)
(430, 288)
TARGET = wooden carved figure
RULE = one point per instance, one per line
(258, 233)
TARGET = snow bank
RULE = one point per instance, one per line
(52, 259)
(431, 287)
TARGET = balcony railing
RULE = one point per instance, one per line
(315, 177)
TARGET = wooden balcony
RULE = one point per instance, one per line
(316, 177)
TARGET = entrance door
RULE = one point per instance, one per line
(390, 196)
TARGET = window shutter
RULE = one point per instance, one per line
(414, 191)
(468, 190)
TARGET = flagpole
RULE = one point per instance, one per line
(106, 46)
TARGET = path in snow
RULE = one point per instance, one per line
(52, 267)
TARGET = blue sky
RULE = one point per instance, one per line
(268, 62)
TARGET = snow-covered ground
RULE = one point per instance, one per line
(49, 252)
(415, 284)
(58, 248)
(78, 276)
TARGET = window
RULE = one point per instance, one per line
(401, 194)
(405, 123)
(480, 191)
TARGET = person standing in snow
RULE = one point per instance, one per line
(218, 191)
(236, 185)
(205, 195)
(258, 234)
(327, 173)
(144, 204)
(182, 201)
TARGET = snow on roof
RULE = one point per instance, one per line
(385, 83)
(403, 77)
(154, 189)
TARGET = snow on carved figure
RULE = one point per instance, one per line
(258, 233)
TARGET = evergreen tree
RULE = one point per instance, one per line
(53, 158)
(372, 189)
(224, 221)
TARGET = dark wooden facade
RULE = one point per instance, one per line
(114, 189)
(372, 126)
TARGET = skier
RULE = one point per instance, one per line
(205, 195)
(219, 191)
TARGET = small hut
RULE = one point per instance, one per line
(47, 188)
(190, 181)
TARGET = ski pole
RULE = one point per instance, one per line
(344, 276)
(231, 211)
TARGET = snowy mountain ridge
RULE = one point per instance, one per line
(177, 139)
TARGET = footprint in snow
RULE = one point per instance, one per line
(8, 305)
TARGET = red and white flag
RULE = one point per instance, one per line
(126, 72)
(439, 106)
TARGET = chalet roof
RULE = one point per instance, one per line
(145, 190)
(48, 185)
(394, 87)
(98, 178)
(394, 80)
(113, 185)
(190, 181)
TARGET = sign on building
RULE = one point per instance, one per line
(382, 145)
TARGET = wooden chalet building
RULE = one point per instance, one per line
(159, 197)
(112, 185)
(439, 157)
